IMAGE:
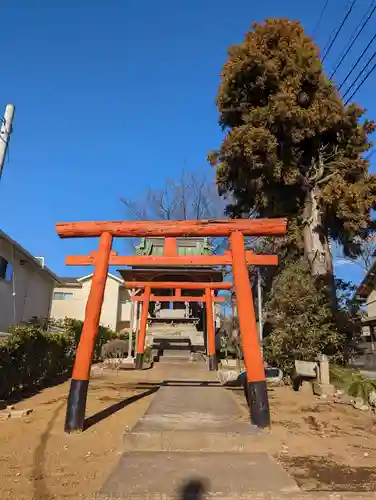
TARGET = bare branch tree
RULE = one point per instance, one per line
(191, 197)
(366, 256)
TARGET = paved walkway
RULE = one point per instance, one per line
(190, 444)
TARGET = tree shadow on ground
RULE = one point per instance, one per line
(179, 383)
(22, 394)
(40, 487)
(107, 412)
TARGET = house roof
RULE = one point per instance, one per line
(77, 282)
(29, 257)
(69, 282)
(368, 284)
(110, 275)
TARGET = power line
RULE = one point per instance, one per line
(360, 74)
(356, 35)
(339, 30)
(320, 18)
(361, 83)
(357, 62)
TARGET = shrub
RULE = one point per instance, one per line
(352, 382)
(39, 352)
(30, 357)
(116, 348)
(299, 320)
(148, 354)
(74, 328)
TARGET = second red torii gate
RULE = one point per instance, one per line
(235, 230)
(179, 285)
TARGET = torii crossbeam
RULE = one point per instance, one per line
(235, 230)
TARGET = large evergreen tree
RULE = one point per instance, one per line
(292, 147)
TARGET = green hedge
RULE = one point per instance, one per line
(33, 355)
(30, 357)
(105, 334)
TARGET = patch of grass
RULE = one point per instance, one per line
(341, 377)
(352, 382)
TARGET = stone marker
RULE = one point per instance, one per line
(323, 386)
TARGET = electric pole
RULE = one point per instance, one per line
(5, 132)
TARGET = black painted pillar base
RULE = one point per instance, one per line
(258, 402)
(139, 361)
(75, 417)
(213, 365)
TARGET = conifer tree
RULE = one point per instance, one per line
(292, 147)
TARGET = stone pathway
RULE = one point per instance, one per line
(190, 444)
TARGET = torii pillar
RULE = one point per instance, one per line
(254, 364)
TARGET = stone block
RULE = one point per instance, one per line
(306, 387)
(20, 413)
(306, 368)
(231, 363)
(323, 389)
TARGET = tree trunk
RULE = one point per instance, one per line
(316, 245)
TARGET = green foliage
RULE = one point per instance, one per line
(293, 149)
(148, 355)
(230, 338)
(104, 335)
(30, 357)
(289, 133)
(352, 382)
(299, 320)
(36, 353)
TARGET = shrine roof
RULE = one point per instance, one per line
(185, 273)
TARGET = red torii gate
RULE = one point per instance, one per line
(234, 229)
(208, 299)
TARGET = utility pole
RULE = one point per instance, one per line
(5, 131)
(259, 304)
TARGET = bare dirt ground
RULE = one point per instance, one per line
(39, 461)
(325, 446)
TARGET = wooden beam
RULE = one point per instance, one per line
(176, 298)
(170, 248)
(196, 260)
(189, 285)
(181, 228)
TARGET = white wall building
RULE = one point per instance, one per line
(70, 296)
(26, 285)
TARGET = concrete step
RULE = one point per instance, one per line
(173, 355)
(246, 440)
(192, 492)
(192, 416)
(197, 476)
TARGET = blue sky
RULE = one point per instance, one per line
(112, 97)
